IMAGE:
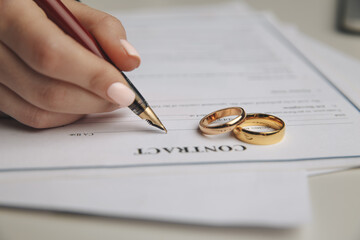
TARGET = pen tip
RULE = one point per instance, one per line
(149, 115)
(165, 130)
(158, 125)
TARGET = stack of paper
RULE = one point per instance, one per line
(195, 61)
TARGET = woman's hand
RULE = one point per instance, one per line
(47, 79)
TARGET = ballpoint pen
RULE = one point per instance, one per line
(57, 12)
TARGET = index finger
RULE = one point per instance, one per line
(48, 50)
(109, 32)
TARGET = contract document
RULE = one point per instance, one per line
(195, 61)
(193, 65)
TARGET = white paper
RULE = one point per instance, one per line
(220, 198)
(194, 65)
(343, 70)
(174, 193)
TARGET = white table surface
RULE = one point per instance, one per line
(335, 197)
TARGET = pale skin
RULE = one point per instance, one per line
(47, 79)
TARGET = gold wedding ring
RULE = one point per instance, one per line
(205, 123)
(261, 138)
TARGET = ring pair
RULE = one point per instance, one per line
(238, 126)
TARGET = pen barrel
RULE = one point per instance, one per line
(139, 105)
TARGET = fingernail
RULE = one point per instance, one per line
(121, 94)
(130, 50)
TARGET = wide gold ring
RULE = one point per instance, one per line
(208, 129)
(261, 138)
